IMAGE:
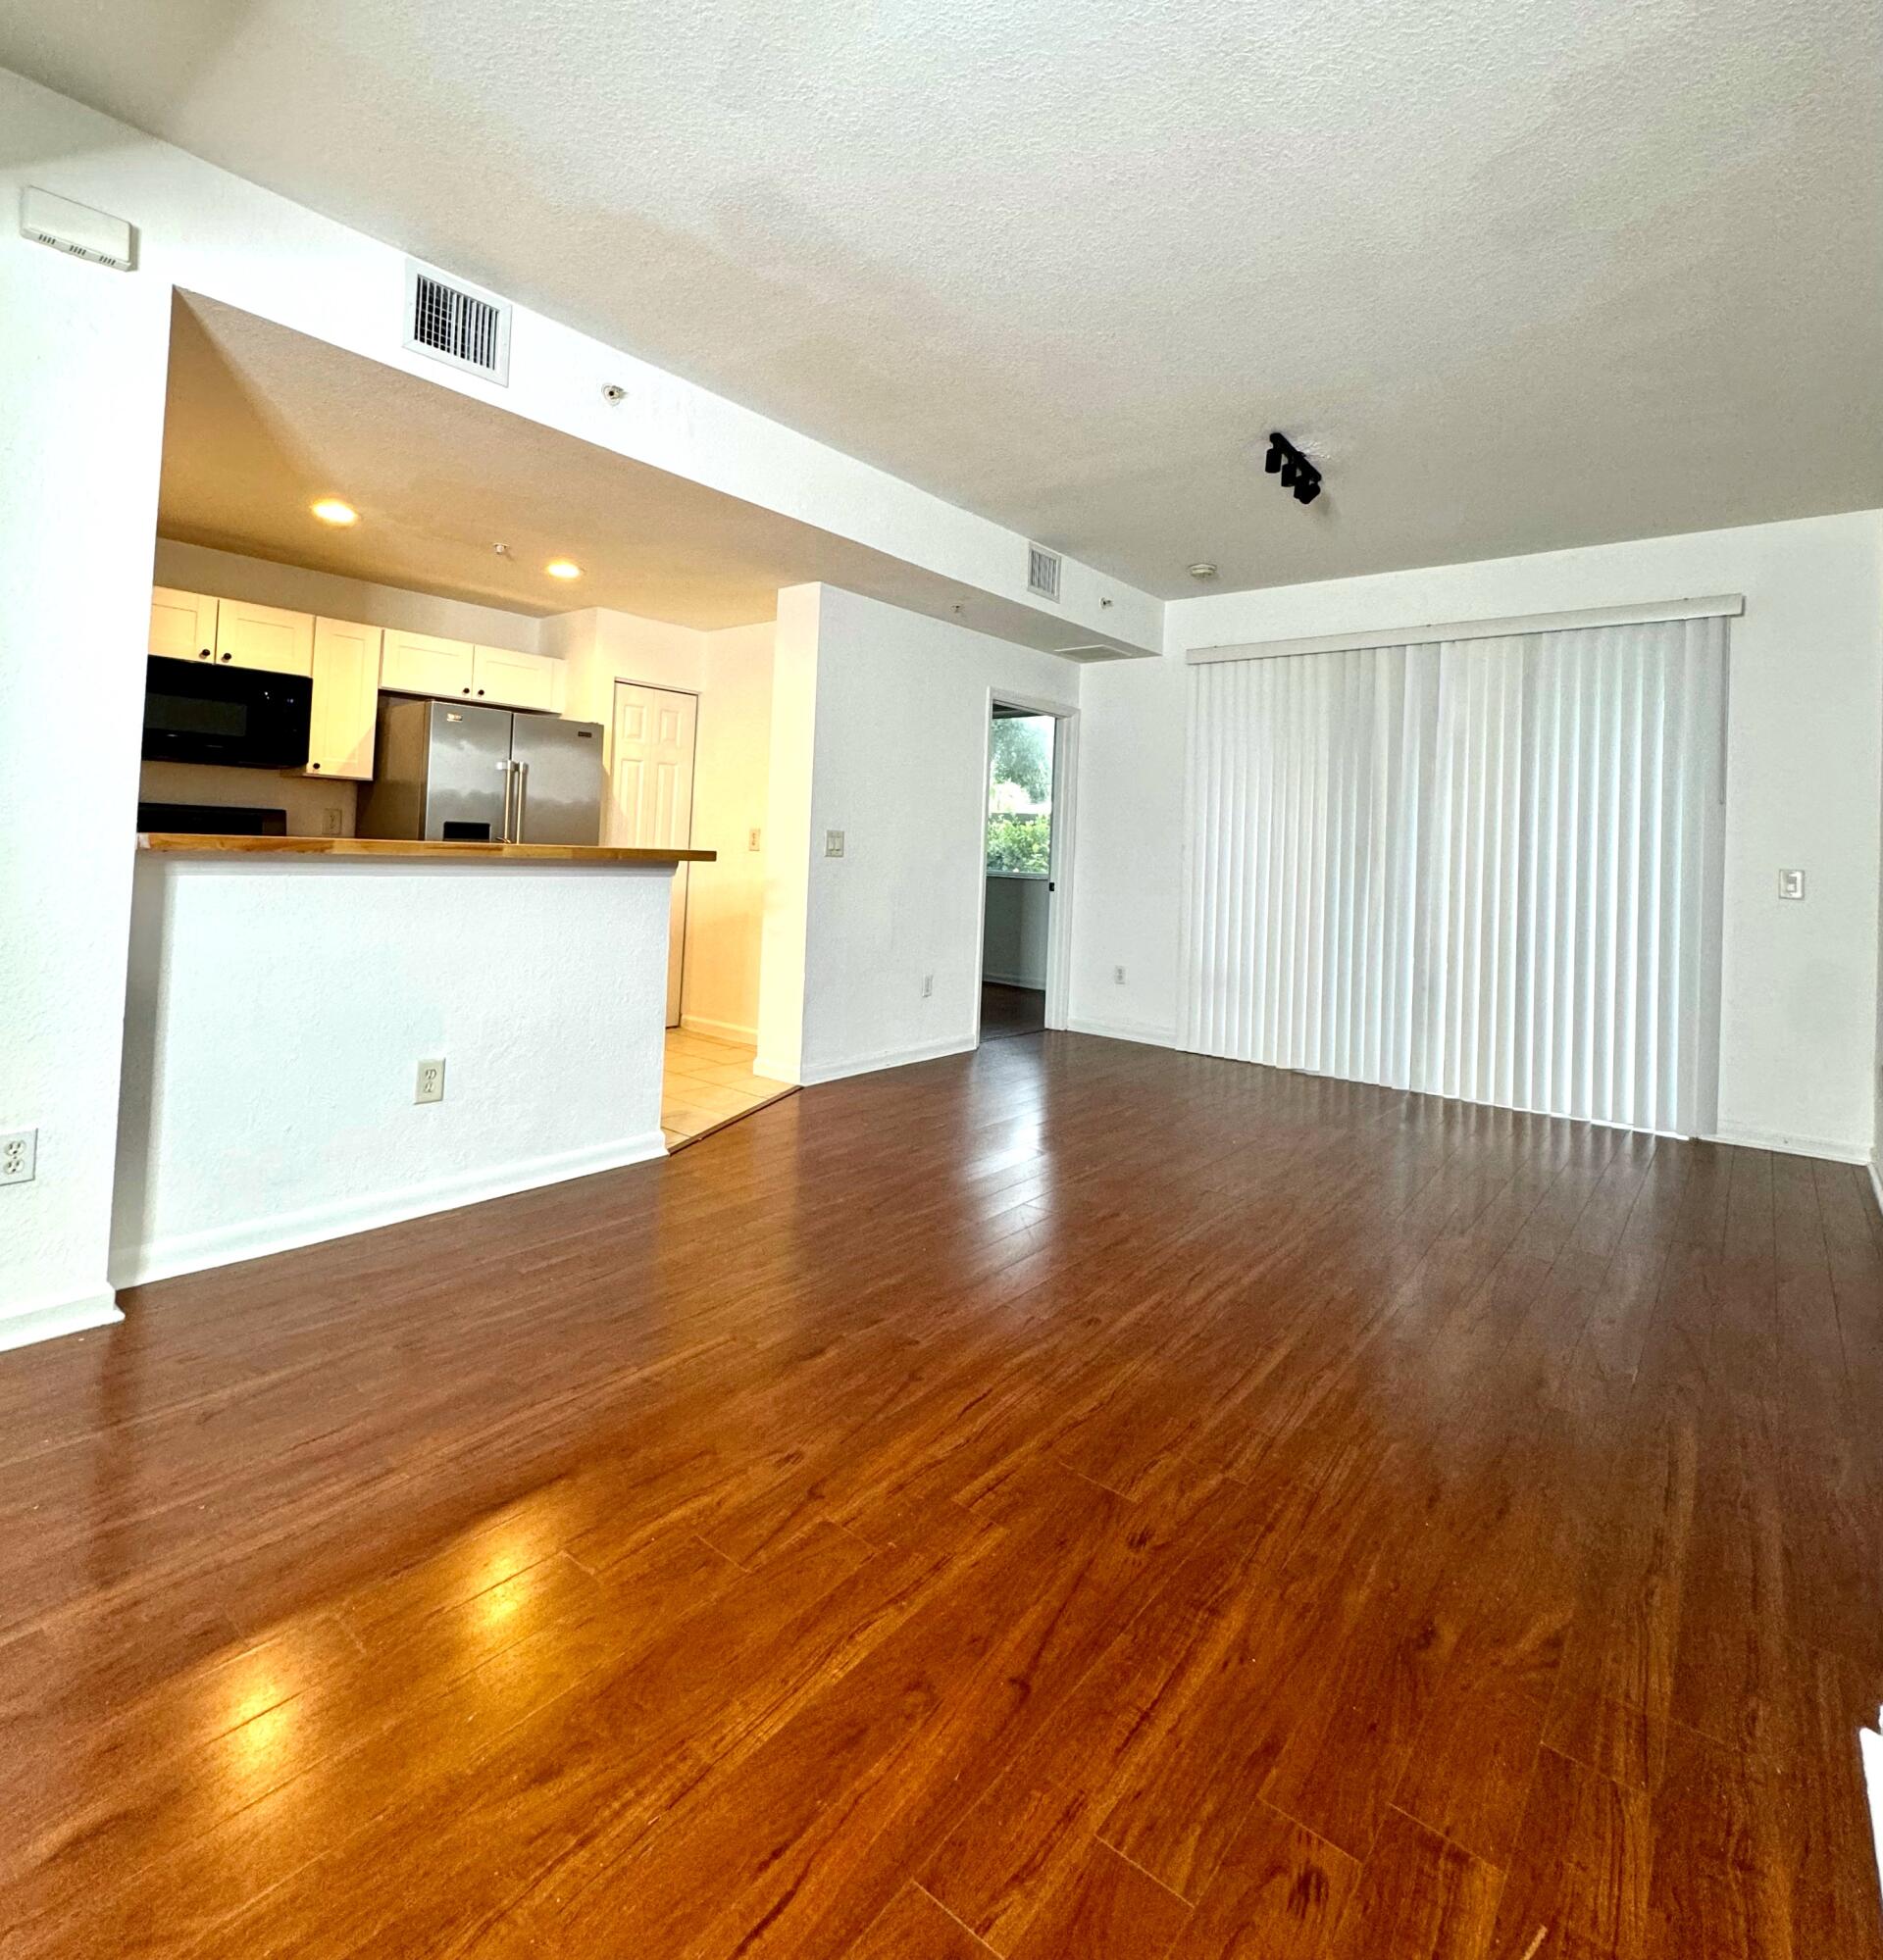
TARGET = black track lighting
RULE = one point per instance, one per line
(1297, 473)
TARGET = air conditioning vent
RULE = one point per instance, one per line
(456, 322)
(1043, 573)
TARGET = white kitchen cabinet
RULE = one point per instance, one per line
(182, 625)
(505, 679)
(263, 636)
(424, 663)
(346, 699)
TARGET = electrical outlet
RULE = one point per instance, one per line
(1117, 976)
(1791, 884)
(928, 987)
(19, 1153)
(329, 823)
(431, 1087)
(752, 842)
(833, 843)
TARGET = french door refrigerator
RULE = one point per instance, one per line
(447, 770)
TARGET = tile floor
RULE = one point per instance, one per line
(708, 1082)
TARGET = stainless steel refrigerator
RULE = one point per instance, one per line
(445, 770)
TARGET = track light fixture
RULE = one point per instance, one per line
(1297, 473)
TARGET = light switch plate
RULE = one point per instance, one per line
(1791, 884)
(833, 843)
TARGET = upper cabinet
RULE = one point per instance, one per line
(263, 636)
(182, 625)
(508, 679)
(346, 698)
(423, 663)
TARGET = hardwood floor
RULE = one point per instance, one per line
(1011, 1010)
(1069, 1500)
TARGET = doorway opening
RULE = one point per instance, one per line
(1016, 936)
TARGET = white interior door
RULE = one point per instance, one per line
(650, 794)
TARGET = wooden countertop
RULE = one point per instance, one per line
(187, 843)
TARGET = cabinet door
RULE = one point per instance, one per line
(263, 636)
(182, 625)
(508, 679)
(346, 699)
(422, 664)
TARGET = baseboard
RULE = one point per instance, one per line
(719, 1030)
(38, 1324)
(887, 1058)
(1032, 982)
(1145, 1033)
(257, 1239)
(1834, 1148)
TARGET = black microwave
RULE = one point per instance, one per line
(239, 715)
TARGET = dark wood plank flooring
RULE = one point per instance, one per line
(1071, 1500)
(1011, 1010)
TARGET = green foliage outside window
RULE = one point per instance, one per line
(1020, 795)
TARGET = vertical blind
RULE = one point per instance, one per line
(1480, 868)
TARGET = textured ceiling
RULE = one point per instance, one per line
(1521, 276)
(260, 421)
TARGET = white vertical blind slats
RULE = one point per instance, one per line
(1478, 868)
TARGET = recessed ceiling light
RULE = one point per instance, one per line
(1202, 570)
(563, 568)
(330, 509)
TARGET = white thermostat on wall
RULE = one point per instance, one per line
(76, 229)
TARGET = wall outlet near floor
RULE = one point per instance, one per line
(928, 986)
(431, 1084)
(752, 842)
(833, 843)
(1117, 976)
(18, 1154)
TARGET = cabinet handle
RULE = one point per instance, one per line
(466, 690)
(228, 656)
(480, 690)
(206, 654)
(313, 764)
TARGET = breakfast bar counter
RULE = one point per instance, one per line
(296, 1005)
(183, 843)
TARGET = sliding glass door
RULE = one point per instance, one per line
(1478, 868)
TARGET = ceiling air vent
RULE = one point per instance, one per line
(1043, 573)
(456, 322)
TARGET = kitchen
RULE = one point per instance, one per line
(412, 911)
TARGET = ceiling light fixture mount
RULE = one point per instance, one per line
(1297, 473)
(334, 510)
(1202, 570)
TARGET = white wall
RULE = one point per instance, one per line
(1805, 752)
(726, 899)
(81, 396)
(1014, 947)
(229, 575)
(901, 707)
(280, 1008)
(730, 672)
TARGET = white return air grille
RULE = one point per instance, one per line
(455, 323)
(1043, 573)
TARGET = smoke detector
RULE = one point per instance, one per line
(1202, 570)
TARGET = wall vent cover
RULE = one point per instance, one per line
(456, 322)
(1043, 573)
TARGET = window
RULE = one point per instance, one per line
(1020, 795)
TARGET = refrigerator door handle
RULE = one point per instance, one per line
(509, 769)
(523, 796)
